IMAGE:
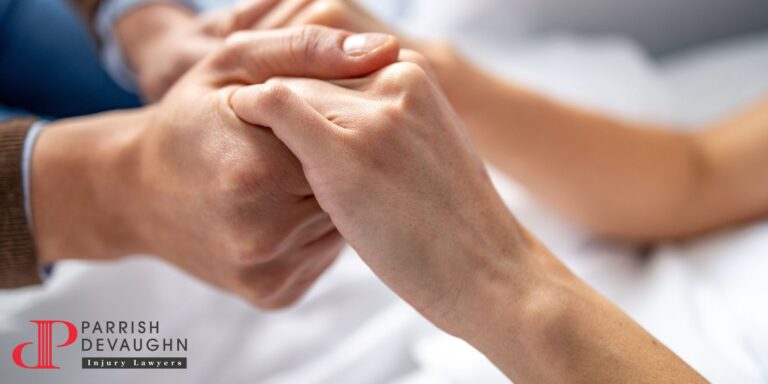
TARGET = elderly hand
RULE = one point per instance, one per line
(189, 181)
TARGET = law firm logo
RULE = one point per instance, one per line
(45, 344)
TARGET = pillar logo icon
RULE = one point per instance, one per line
(45, 344)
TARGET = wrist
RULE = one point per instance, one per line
(84, 180)
(142, 31)
(512, 288)
(539, 317)
(562, 329)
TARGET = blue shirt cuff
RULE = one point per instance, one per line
(26, 169)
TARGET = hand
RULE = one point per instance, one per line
(392, 165)
(161, 41)
(189, 181)
(446, 65)
(342, 14)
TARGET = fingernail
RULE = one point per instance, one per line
(364, 43)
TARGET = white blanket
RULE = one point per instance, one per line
(705, 298)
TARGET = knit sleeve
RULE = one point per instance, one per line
(18, 262)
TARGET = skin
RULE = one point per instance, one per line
(633, 181)
(182, 38)
(391, 163)
(188, 181)
(175, 33)
(458, 257)
(639, 182)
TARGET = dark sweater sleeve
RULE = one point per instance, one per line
(18, 262)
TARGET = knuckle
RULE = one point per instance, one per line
(415, 86)
(387, 84)
(410, 73)
(252, 251)
(386, 132)
(416, 58)
(391, 113)
(402, 77)
(273, 95)
(261, 169)
(240, 179)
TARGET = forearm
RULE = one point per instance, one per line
(628, 180)
(736, 184)
(550, 327)
(83, 173)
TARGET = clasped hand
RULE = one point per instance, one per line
(264, 155)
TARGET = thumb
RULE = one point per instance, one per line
(311, 137)
(308, 51)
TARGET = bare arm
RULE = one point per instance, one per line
(631, 180)
(390, 162)
(568, 332)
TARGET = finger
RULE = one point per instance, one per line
(278, 169)
(307, 133)
(279, 17)
(297, 292)
(315, 257)
(307, 231)
(405, 56)
(315, 93)
(314, 90)
(330, 13)
(290, 226)
(311, 51)
(246, 13)
(283, 281)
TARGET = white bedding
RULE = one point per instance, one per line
(705, 298)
